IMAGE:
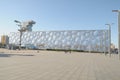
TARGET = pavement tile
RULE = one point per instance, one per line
(53, 65)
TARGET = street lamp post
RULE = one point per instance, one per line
(24, 26)
(109, 32)
(118, 11)
(21, 30)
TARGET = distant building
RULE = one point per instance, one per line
(82, 40)
(4, 40)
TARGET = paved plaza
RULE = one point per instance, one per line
(53, 65)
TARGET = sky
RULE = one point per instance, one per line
(60, 15)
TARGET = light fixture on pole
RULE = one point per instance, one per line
(118, 11)
(21, 30)
(109, 32)
(24, 26)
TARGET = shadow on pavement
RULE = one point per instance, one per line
(10, 55)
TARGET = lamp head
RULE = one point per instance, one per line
(115, 10)
(17, 21)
